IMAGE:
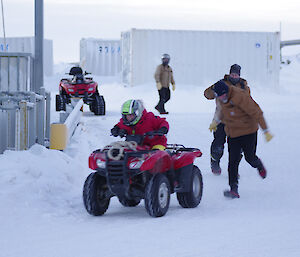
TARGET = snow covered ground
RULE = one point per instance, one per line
(41, 209)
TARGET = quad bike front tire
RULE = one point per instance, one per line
(192, 198)
(91, 107)
(95, 194)
(157, 195)
(98, 105)
(60, 104)
(129, 202)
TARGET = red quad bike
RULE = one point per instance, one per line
(80, 87)
(133, 172)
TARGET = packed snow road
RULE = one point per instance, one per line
(42, 213)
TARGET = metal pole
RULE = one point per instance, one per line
(38, 72)
(4, 36)
(41, 118)
(38, 46)
(280, 41)
(23, 133)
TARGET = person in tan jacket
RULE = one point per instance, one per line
(217, 126)
(241, 116)
(163, 77)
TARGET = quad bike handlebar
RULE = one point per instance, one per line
(138, 138)
(85, 73)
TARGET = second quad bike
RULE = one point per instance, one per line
(80, 86)
(133, 172)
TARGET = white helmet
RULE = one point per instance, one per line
(132, 107)
(165, 58)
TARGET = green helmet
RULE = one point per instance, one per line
(132, 107)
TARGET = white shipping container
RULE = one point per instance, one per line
(201, 57)
(100, 57)
(26, 45)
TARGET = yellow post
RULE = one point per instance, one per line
(58, 136)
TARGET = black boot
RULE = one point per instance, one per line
(215, 167)
(232, 193)
(157, 108)
(261, 170)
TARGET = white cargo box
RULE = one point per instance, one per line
(201, 57)
(100, 57)
(26, 45)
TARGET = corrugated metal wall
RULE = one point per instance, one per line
(26, 44)
(201, 57)
(100, 57)
(14, 74)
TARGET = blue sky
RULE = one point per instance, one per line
(67, 21)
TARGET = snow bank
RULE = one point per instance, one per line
(41, 179)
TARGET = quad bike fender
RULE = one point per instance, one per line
(63, 85)
(97, 154)
(158, 162)
(183, 159)
(183, 176)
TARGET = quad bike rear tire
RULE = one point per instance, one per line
(95, 194)
(104, 106)
(98, 105)
(157, 195)
(192, 198)
(129, 203)
(60, 103)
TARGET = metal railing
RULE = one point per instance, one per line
(24, 114)
(19, 114)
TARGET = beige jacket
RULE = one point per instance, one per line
(241, 114)
(209, 94)
(164, 75)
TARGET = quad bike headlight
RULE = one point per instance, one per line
(91, 89)
(71, 90)
(100, 164)
(136, 164)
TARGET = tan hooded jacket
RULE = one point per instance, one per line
(209, 94)
(164, 75)
(241, 114)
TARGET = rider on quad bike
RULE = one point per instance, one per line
(80, 86)
(143, 166)
(137, 121)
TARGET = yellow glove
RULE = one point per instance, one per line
(158, 85)
(268, 136)
(173, 87)
(213, 126)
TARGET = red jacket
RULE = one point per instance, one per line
(148, 122)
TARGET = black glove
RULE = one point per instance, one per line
(162, 130)
(122, 132)
(115, 131)
(150, 133)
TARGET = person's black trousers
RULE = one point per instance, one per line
(247, 144)
(217, 145)
(164, 96)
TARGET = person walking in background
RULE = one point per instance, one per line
(163, 77)
(217, 126)
(241, 116)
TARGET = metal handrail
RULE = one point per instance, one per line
(289, 43)
(15, 54)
